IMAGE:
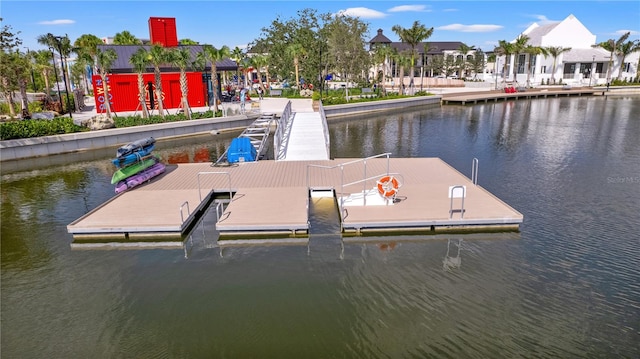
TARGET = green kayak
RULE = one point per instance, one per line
(131, 170)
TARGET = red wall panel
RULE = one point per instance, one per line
(123, 91)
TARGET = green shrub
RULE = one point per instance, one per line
(36, 128)
(131, 121)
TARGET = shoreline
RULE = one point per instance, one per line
(38, 147)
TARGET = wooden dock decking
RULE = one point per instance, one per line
(273, 197)
(486, 96)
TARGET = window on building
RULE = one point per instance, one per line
(521, 61)
(600, 69)
(569, 71)
(543, 69)
(627, 67)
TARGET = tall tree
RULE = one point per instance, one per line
(477, 63)
(105, 60)
(139, 60)
(158, 56)
(259, 62)
(296, 51)
(624, 50)
(307, 28)
(413, 36)
(518, 47)
(532, 52)
(181, 57)
(126, 38)
(505, 49)
(86, 46)
(211, 54)
(49, 41)
(238, 56)
(464, 50)
(43, 65)
(555, 51)
(612, 46)
(381, 57)
(346, 42)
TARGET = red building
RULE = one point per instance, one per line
(122, 82)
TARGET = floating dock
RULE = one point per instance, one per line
(271, 198)
(494, 96)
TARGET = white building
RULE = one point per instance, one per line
(584, 64)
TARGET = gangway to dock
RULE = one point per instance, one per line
(258, 134)
(301, 136)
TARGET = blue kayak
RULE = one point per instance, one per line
(135, 146)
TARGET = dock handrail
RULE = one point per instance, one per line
(365, 176)
(182, 212)
(214, 173)
(279, 137)
(474, 171)
(325, 129)
(464, 194)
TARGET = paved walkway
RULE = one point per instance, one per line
(266, 105)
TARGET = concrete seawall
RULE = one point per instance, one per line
(379, 106)
(82, 141)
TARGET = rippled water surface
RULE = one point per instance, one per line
(568, 285)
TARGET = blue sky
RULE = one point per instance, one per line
(236, 23)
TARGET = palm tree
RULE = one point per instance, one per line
(105, 60)
(625, 49)
(181, 57)
(86, 46)
(518, 47)
(464, 50)
(259, 62)
(612, 46)
(237, 55)
(49, 41)
(413, 36)
(505, 49)
(126, 38)
(158, 56)
(139, 60)
(555, 51)
(403, 60)
(532, 51)
(43, 64)
(296, 51)
(381, 56)
(212, 55)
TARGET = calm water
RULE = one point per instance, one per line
(567, 286)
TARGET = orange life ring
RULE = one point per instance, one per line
(388, 186)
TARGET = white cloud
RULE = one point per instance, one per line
(470, 28)
(362, 12)
(406, 8)
(542, 20)
(449, 10)
(57, 22)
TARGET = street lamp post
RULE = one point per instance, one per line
(64, 72)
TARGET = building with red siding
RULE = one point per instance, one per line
(122, 82)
